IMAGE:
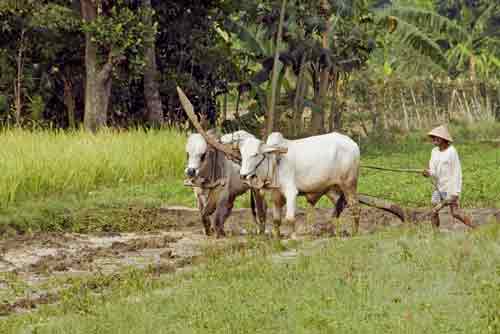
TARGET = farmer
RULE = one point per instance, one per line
(444, 168)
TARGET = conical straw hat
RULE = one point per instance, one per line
(441, 132)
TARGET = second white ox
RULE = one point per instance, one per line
(314, 166)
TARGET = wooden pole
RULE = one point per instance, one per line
(188, 107)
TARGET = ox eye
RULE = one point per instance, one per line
(203, 156)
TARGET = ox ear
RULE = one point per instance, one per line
(264, 148)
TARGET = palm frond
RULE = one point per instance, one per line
(409, 34)
(343, 8)
(495, 61)
(245, 36)
(429, 21)
(481, 22)
(460, 55)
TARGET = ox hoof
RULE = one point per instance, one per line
(276, 234)
(220, 234)
(261, 230)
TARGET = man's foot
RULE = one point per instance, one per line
(468, 222)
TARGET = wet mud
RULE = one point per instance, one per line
(29, 262)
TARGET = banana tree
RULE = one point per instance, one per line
(308, 55)
(349, 32)
(474, 52)
(457, 39)
(263, 58)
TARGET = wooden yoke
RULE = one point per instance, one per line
(188, 108)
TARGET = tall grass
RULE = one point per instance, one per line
(34, 164)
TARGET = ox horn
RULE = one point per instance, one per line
(188, 107)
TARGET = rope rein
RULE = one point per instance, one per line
(406, 170)
(401, 170)
(260, 163)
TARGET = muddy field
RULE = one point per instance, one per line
(28, 263)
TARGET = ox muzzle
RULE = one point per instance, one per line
(191, 172)
(247, 176)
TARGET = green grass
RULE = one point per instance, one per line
(399, 281)
(36, 164)
(480, 173)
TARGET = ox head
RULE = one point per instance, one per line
(202, 155)
(235, 139)
(253, 153)
(196, 148)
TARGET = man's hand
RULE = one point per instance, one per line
(426, 173)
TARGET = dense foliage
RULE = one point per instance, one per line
(221, 53)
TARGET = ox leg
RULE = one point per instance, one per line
(291, 199)
(261, 212)
(224, 208)
(278, 202)
(205, 211)
(207, 224)
(339, 201)
(353, 203)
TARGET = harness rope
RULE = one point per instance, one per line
(406, 170)
(270, 180)
(260, 163)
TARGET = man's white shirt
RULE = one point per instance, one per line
(445, 168)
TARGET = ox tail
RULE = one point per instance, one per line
(340, 205)
(253, 205)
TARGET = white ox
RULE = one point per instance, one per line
(314, 166)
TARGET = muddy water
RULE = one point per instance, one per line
(27, 263)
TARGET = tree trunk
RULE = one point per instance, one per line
(224, 109)
(318, 117)
(272, 103)
(92, 108)
(336, 108)
(69, 102)
(298, 102)
(18, 99)
(151, 87)
(97, 83)
(337, 111)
